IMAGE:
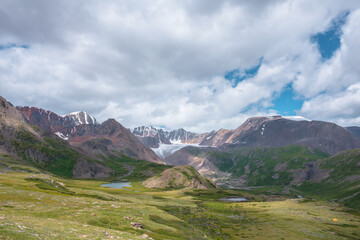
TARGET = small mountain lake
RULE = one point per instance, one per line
(234, 199)
(119, 185)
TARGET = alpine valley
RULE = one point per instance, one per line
(71, 177)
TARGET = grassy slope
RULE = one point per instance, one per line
(177, 178)
(56, 156)
(51, 154)
(140, 169)
(84, 210)
(258, 167)
(344, 180)
(259, 163)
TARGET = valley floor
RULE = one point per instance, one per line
(46, 207)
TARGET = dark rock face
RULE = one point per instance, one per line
(152, 142)
(278, 132)
(354, 130)
(85, 169)
(325, 136)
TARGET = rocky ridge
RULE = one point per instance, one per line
(46, 150)
(82, 130)
(153, 137)
(277, 131)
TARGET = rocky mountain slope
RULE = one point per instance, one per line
(153, 137)
(82, 130)
(61, 125)
(354, 130)
(111, 137)
(273, 131)
(278, 132)
(265, 132)
(195, 157)
(179, 177)
(42, 148)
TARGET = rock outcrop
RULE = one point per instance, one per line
(111, 137)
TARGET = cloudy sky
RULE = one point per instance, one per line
(197, 64)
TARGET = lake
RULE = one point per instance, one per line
(234, 199)
(120, 185)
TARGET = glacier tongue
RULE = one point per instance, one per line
(165, 150)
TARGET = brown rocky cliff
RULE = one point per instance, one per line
(113, 137)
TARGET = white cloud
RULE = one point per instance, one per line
(341, 107)
(338, 81)
(162, 62)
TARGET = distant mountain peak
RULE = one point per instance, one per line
(153, 137)
(80, 118)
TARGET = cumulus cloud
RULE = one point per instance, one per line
(337, 81)
(163, 62)
(339, 107)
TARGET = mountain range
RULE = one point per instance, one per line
(83, 131)
(295, 156)
(153, 137)
(274, 131)
(98, 140)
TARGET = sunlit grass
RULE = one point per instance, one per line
(95, 212)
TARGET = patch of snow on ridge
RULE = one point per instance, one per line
(296, 118)
(60, 135)
(262, 129)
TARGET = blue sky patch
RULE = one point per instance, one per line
(329, 41)
(13, 45)
(237, 75)
(287, 103)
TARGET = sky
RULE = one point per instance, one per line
(200, 65)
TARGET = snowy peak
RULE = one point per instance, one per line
(63, 126)
(146, 131)
(80, 118)
(153, 137)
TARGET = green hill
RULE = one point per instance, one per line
(179, 177)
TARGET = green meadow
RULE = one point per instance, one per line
(34, 205)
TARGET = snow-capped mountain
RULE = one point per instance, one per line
(83, 131)
(145, 131)
(154, 137)
(79, 118)
(62, 126)
(278, 131)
